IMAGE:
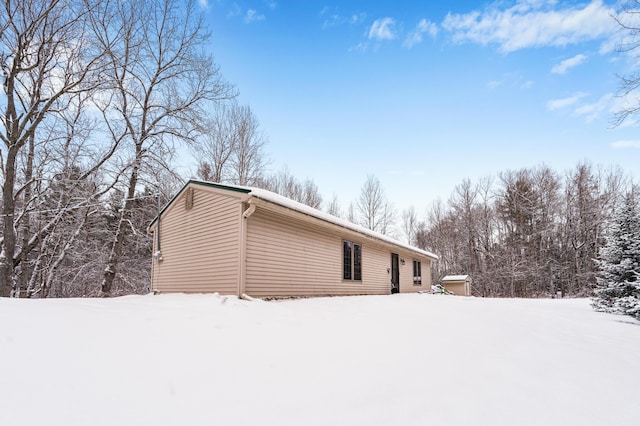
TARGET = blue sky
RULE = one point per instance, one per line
(425, 94)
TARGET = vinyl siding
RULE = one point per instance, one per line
(376, 264)
(200, 246)
(456, 287)
(290, 257)
(406, 274)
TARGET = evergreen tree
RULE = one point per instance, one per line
(618, 281)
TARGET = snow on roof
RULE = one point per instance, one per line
(455, 278)
(280, 200)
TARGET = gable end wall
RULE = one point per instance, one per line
(200, 247)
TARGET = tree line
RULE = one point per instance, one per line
(531, 232)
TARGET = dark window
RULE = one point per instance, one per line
(357, 262)
(351, 261)
(417, 272)
(346, 262)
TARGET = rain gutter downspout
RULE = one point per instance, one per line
(242, 278)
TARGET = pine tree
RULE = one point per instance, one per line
(618, 281)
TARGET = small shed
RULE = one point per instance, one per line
(457, 284)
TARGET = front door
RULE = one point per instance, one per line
(395, 274)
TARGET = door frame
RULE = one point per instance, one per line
(395, 273)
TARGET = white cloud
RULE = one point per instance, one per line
(590, 111)
(360, 47)
(626, 144)
(332, 21)
(512, 81)
(271, 4)
(332, 18)
(532, 24)
(203, 3)
(556, 104)
(357, 18)
(253, 16)
(563, 66)
(234, 10)
(382, 29)
(424, 27)
(594, 110)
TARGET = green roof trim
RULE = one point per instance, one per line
(219, 186)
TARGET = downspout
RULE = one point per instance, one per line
(249, 211)
(158, 253)
(242, 279)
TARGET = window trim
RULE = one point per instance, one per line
(357, 262)
(354, 274)
(417, 277)
(347, 272)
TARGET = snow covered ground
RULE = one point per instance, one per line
(372, 360)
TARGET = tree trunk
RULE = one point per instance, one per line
(7, 276)
(118, 241)
(25, 227)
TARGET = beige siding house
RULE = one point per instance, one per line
(239, 240)
(457, 284)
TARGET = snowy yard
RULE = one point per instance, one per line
(371, 360)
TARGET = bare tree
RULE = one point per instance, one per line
(410, 224)
(376, 213)
(67, 187)
(388, 220)
(248, 157)
(486, 235)
(218, 144)
(629, 22)
(333, 208)
(371, 203)
(351, 214)
(285, 184)
(159, 78)
(529, 234)
(231, 148)
(46, 57)
(464, 204)
(312, 196)
(590, 194)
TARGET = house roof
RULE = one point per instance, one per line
(455, 278)
(280, 200)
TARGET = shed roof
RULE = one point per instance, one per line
(456, 278)
(288, 203)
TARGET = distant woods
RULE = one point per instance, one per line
(525, 233)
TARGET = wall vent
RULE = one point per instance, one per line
(188, 199)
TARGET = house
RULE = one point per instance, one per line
(457, 284)
(239, 240)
